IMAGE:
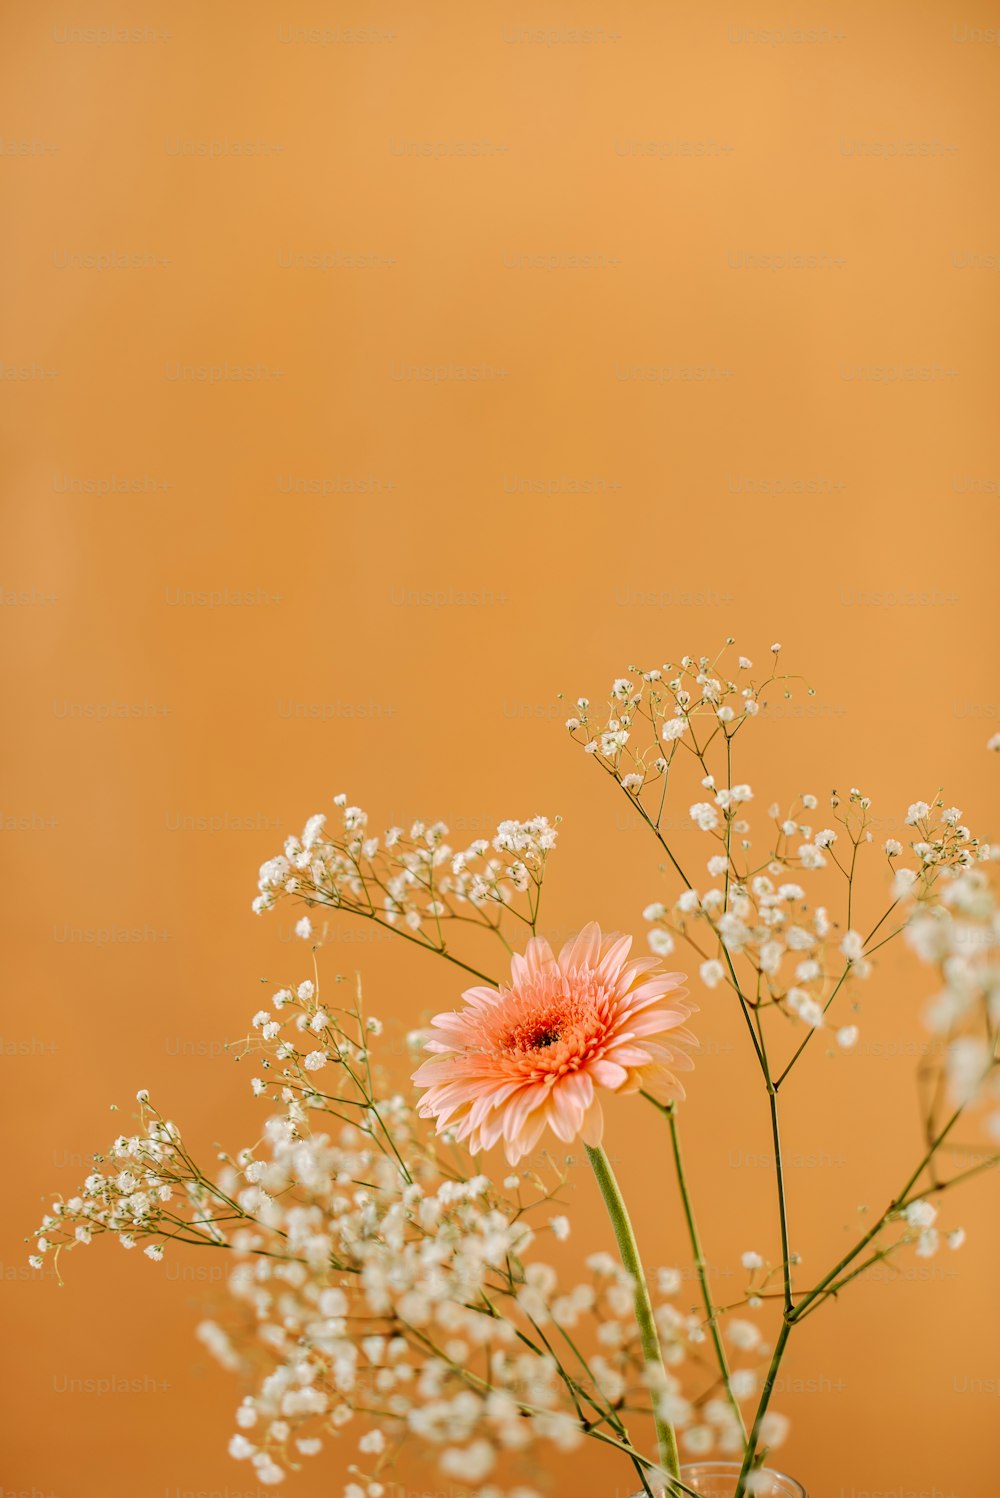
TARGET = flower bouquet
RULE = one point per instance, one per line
(390, 1291)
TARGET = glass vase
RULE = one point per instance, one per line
(719, 1479)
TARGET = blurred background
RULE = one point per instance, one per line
(372, 373)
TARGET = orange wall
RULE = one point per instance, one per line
(665, 151)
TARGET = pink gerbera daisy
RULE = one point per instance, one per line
(516, 1059)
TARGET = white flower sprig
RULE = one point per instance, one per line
(758, 932)
(413, 882)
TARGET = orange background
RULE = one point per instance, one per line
(666, 148)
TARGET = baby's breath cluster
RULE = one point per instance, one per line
(756, 928)
(761, 923)
(959, 935)
(414, 881)
(657, 715)
(776, 922)
(383, 1292)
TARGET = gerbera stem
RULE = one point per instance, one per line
(669, 1111)
(629, 1250)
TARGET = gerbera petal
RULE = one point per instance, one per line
(592, 1127)
(492, 1101)
(687, 1037)
(527, 1101)
(477, 997)
(583, 951)
(616, 949)
(492, 1128)
(652, 991)
(442, 1102)
(608, 1074)
(566, 1110)
(581, 1084)
(639, 965)
(662, 1085)
(655, 1021)
(435, 1069)
(527, 1137)
(676, 1032)
(539, 955)
(665, 1055)
(629, 1055)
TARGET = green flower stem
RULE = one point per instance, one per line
(669, 1111)
(750, 1454)
(629, 1250)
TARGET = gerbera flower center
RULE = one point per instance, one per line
(533, 1033)
(544, 1020)
(546, 1036)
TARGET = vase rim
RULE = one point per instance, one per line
(789, 1487)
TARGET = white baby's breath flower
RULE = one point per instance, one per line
(853, 946)
(806, 1007)
(774, 1428)
(743, 1382)
(968, 1061)
(704, 814)
(743, 1334)
(698, 1439)
(928, 1243)
(471, 1463)
(660, 942)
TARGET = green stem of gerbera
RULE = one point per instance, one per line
(629, 1250)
